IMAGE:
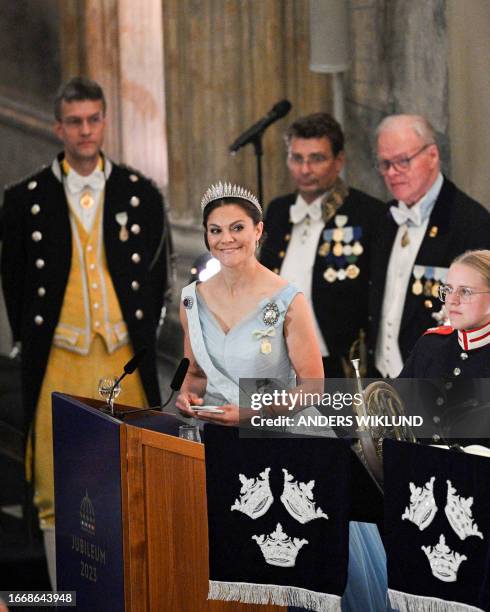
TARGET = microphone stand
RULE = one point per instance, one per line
(110, 401)
(155, 408)
(259, 152)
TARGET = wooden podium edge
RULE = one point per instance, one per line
(132, 441)
(138, 597)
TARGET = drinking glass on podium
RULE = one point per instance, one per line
(190, 432)
(109, 389)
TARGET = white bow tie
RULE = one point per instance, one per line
(402, 214)
(77, 183)
(301, 210)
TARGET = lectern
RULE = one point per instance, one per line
(131, 518)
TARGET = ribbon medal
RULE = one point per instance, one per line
(264, 335)
(417, 286)
(122, 219)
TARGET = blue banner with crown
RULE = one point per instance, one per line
(89, 538)
(437, 528)
(278, 518)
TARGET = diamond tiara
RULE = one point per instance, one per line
(220, 191)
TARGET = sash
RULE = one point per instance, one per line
(227, 387)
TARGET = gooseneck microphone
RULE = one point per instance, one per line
(278, 111)
(175, 385)
(177, 380)
(129, 368)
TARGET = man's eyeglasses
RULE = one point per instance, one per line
(77, 122)
(315, 159)
(465, 294)
(402, 164)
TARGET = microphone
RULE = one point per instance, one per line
(129, 368)
(179, 375)
(177, 380)
(278, 111)
(133, 363)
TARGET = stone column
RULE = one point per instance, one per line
(143, 121)
(119, 44)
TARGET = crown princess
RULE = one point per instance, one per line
(422, 507)
(459, 514)
(220, 191)
(255, 495)
(444, 563)
(297, 498)
(278, 548)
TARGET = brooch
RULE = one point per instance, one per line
(270, 315)
(188, 302)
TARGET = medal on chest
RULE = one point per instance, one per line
(265, 346)
(122, 219)
(87, 200)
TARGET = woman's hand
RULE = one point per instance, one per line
(230, 416)
(187, 399)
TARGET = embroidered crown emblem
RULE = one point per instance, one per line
(278, 548)
(298, 500)
(87, 515)
(220, 191)
(459, 514)
(443, 561)
(422, 508)
(255, 495)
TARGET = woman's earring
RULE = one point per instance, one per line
(257, 244)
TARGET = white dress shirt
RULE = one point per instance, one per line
(298, 263)
(74, 186)
(388, 356)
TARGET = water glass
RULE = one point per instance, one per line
(105, 388)
(190, 432)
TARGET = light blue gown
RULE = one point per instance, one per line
(227, 357)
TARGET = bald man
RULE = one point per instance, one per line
(430, 222)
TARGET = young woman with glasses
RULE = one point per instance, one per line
(463, 348)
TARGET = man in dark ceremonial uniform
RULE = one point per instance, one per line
(84, 274)
(320, 237)
(429, 224)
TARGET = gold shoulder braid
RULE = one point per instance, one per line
(334, 199)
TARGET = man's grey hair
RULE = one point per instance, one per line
(419, 124)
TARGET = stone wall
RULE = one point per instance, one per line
(29, 74)
(399, 64)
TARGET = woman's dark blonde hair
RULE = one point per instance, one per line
(478, 260)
